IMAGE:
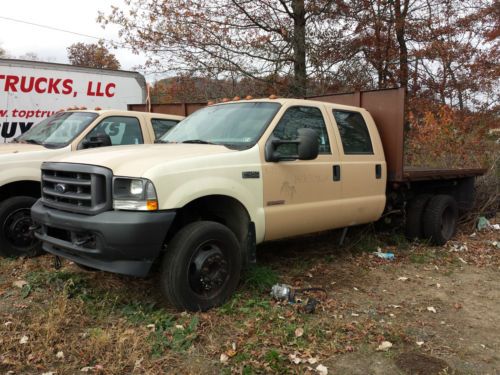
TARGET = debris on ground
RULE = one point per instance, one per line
(282, 292)
(431, 309)
(384, 346)
(381, 255)
(484, 223)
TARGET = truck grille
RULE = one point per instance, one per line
(78, 188)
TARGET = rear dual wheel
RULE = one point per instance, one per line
(432, 218)
(202, 266)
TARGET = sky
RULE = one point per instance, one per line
(20, 38)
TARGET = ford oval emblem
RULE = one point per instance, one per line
(60, 188)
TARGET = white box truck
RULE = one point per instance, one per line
(31, 91)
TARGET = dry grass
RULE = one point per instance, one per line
(118, 325)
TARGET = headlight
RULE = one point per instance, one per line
(134, 194)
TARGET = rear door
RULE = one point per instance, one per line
(361, 168)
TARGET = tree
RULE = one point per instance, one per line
(92, 56)
(256, 39)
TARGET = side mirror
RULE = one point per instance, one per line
(307, 147)
(98, 140)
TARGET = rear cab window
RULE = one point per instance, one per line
(162, 126)
(353, 132)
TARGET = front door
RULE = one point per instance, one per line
(300, 195)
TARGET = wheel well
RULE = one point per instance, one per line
(18, 188)
(220, 208)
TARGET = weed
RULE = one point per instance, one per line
(260, 278)
(71, 284)
(275, 361)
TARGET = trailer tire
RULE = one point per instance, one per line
(414, 217)
(440, 219)
(15, 219)
(201, 268)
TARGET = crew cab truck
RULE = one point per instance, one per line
(232, 176)
(59, 134)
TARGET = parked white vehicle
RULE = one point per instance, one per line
(61, 133)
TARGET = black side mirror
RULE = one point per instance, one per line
(98, 140)
(307, 146)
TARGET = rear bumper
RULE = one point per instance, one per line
(116, 241)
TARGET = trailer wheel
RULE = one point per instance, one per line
(414, 217)
(440, 219)
(15, 220)
(202, 265)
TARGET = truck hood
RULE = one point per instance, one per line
(15, 148)
(23, 152)
(135, 160)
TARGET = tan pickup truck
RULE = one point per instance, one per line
(60, 134)
(232, 176)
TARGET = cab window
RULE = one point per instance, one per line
(353, 133)
(299, 117)
(122, 130)
(162, 126)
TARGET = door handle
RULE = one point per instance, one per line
(336, 173)
(378, 171)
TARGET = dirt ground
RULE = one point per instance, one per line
(439, 307)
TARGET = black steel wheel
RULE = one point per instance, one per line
(202, 266)
(440, 219)
(414, 217)
(16, 238)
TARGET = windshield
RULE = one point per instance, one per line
(58, 130)
(237, 125)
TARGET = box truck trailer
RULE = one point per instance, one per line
(31, 91)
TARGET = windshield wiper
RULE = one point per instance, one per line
(199, 141)
(162, 141)
(33, 142)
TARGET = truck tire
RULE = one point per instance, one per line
(15, 237)
(201, 268)
(440, 219)
(414, 217)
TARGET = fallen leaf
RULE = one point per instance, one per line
(322, 370)
(431, 309)
(223, 358)
(7, 323)
(180, 327)
(384, 346)
(438, 285)
(231, 353)
(60, 355)
(354, 314)
(462, 260)
(294, 359)
(49, 373)
(86, 369)
(312, 360)
(457, 306)
(420, 343)
(151, 327)
(19, 283)
(24, 340)
(299, 332)
(402, 278)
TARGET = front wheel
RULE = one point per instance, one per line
(16, 238)
(202, 266)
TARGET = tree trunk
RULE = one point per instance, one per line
(299, 49)
(400, 35)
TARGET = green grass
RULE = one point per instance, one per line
(260, 278)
